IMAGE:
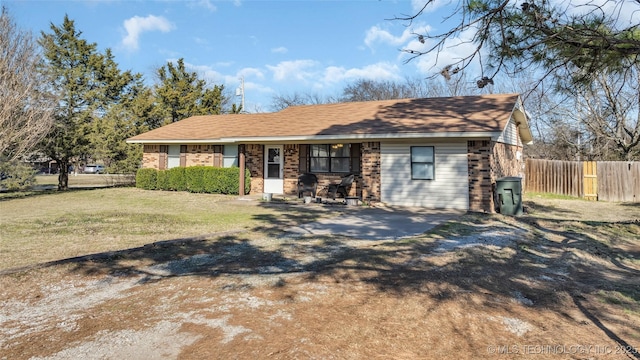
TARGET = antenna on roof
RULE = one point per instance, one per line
(240, 92)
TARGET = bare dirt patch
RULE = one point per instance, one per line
(559, 282)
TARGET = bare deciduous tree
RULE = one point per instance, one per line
(280, 102)
(26, 107)
(609, 109)
(372, 90)
(596, 122)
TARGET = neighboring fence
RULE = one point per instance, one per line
(618, 181)
(593, 180)
(554, 176)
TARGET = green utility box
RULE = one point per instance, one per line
(509, 191)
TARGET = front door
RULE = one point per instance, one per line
(273, 169)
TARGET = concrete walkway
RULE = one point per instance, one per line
(378, 223)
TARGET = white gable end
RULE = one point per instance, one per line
(510, 134)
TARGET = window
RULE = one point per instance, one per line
(173, 156)
(422, 163)
(330, 158)
(230, 156)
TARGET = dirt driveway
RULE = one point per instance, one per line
(553, 284)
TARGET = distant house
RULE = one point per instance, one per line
(441, 152)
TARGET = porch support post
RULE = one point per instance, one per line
(241, 159)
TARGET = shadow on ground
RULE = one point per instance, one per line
(547, 264)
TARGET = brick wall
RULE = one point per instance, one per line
(291, 168)
(479, 168)
(488, 161)
(370, 179)
(199, 155)
(151, 157)
(254, 164)
(505, 162)
(292, 171)
(366, 185)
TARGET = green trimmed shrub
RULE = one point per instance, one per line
(196, 179)
(195, 176)
(147, 179)
(229, 180)
(177, 179)
(247, 181)
(211, 180)
(163, 180)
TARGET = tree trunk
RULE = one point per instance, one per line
(63, 177)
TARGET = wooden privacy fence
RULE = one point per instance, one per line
(593, 180)
(618, 181)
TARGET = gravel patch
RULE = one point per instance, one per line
(67, 300)
(129, 344)
(493, 237)
(516, 326)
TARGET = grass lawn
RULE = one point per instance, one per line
(562, 281)
(37, 227)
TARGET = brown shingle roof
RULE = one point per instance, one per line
(468, 114)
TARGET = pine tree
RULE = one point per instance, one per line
(182, 94)
(88, 84)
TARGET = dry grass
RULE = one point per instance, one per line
(566, 277)
(48, 226)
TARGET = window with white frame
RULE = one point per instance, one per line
(422, 163)
(173, 156)
(330, 158)
(230, 156)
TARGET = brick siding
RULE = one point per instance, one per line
(479, 168)
(371, 159)
(291, 168)
(505, 162)
(487, 162)
(151, 157)
(199, 155)
(254, 163)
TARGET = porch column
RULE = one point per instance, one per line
(241, 159)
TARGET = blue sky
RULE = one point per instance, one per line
(279, 47)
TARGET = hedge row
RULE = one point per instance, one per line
(196, 179)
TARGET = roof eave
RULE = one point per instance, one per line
(521, 118)
(322, 138)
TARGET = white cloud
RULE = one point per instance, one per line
(297, 70)
(377, 34)
(137, 25)
(417, 5)
(251, 73)
(205, 72)
(625, 13)
(379, 71)
(454, 50)
(280, 50)
(214, 77)
(224, 63)
(207, 4)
